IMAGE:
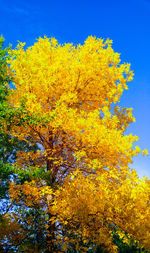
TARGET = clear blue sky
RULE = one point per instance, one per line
(127, 23)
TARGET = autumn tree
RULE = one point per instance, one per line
(68, 97)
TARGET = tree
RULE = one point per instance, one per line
(69, 96)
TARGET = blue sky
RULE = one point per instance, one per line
(127, 23)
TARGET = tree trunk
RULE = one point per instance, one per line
(51, 247)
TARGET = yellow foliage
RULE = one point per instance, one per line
(69, 93)
(73, 88)
(95, 205)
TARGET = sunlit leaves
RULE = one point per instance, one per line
(68, 101)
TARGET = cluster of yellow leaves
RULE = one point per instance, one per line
(82, 138)
(74, 88)
(19, 226)
(49, 72)
(94, 206)
(31, 193)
